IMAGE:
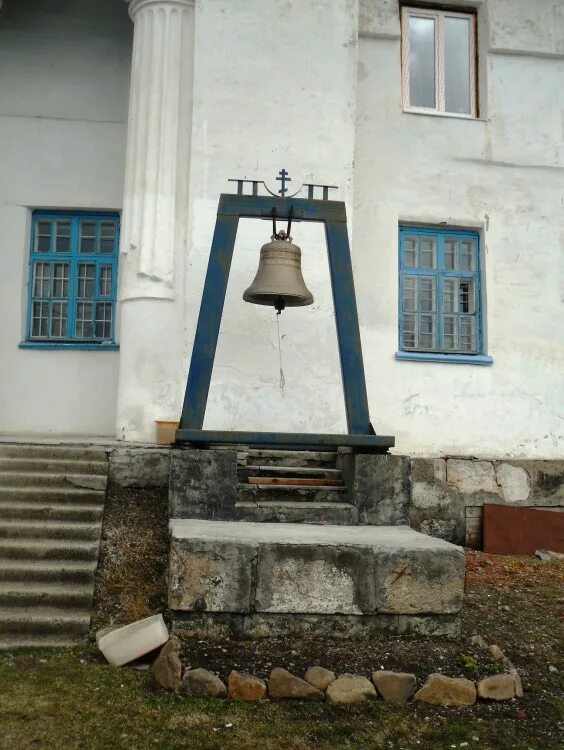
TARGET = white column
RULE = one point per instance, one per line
(155, 216)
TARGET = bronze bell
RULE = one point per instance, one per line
(279, 281)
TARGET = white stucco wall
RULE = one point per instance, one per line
(503, 176)
(290, 84)
(275, 86)
(64, 83)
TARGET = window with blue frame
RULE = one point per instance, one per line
(439, 296)
(72, 279)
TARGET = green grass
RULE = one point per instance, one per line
(71, 699)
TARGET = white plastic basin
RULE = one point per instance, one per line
(123, 645)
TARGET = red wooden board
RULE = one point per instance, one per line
(512, 530)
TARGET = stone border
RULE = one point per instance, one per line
(320, 684)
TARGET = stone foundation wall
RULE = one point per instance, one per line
(448, 494)
(442, 497)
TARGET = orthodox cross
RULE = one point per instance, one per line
(283, 179)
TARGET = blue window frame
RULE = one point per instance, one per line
(72, 280)
(440, 305)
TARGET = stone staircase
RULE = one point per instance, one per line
(51, 508)
(292, 487)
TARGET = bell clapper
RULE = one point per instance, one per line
(282, 378)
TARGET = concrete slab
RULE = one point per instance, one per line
(280, 569)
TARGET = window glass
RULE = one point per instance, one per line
(410, 252)
(457, 65)
(87, 236)
(62, 235)
(468, 255)
(421, 62)
(107, 236)
(450, 254)
(428, 252)
(43, 236)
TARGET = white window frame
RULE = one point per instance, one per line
(439, 17)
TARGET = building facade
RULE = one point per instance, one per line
(441, 125)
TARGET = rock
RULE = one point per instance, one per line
(245, 687)
(319, 677)
(498, 687)
(477, 640)
(518, 683)
(552, 668)
(546, 554)
(395, 686)
(447, 691)
(171, 646)
(167, 667)
(349, 688)
(514, 482)
(468, 475)
(507, 663)
(283, 684)
(496, 652)
(200, 682)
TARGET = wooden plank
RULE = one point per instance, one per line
(302, 481)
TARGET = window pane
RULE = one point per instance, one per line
(59, 319)
(43, 236)
(409, 331)
(450, 332)
(86, 274)
(427, 293)
(457, 65)
(61, 280)
(468, 255)
(40, 319)
(466, 296)
(87, 236)
(450, 297)
(428, 252)
(421, 37)
(105, 282)
(41, 279)
(410, 252)
(62, 235)
(107, 236)
(426, 331)
(410, 293)
(467, 334)
(103, 320)
(450, 254)
(83, 326)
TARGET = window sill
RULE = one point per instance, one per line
(455, 359)
(436, 113)
(85, 345)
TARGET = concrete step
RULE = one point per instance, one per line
(286, 576)
(47, 549)
(291, 493)
(55, 512)
(54, 466)
(52, 451)
(341, 514)
(48, 495)
(75, 530)
(43, 621)
(43, 479)
(51, 571)
(26, 594)
(287, 458)
(305, 472)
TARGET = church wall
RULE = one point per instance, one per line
(501, 175)
(64, 84)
